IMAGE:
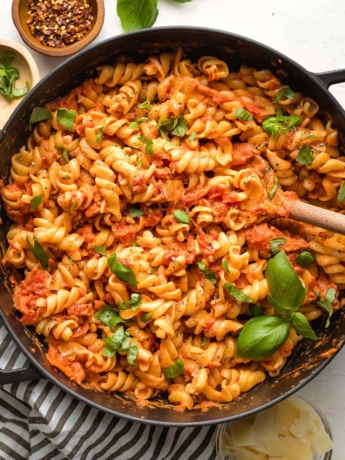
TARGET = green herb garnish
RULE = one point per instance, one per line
(241, 113)
(38, 251)
(275, 125)
(121, 271)
(109, 316)
(305, 258)
(208, 273)
(286, 93)
(275, 243)
(35, 202)
(305, 155)
(8, 77)
(181, 216)
(175, 370)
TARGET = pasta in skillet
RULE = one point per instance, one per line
(148, 205)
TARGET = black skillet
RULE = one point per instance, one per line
(306, 361)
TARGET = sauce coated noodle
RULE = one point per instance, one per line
(134, 299)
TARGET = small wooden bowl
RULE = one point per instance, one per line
(28, 72)
(19, 15)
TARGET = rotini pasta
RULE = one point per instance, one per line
(133, 223)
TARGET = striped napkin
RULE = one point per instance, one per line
(38, 421)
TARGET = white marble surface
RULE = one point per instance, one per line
(313, 34)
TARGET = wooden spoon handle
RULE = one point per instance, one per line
(319, 217)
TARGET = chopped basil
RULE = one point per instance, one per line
(181, 216)
(237, 293)
(8, 77)
(148, 143)
(286, 93)
(175, 370)
(305, 155)
(192, 137)
(63, 152)
(35, 202)
(109, 316)
(203, 341)
(140, 163)
(208, 274)
(114, 342)
(176, 126)
(38, 251)
(121, 271)
(146, 317)
(132, 353)
(101, 250)
(273, 190)
(275, 125)
(225, 265)
(305, 258)
(99, 137)
(134, 303)
(145, 105)
(275, 243)
(74, 204)
(241, 113)
(341, 192)
(66, 118)
(134, 212)
(327, 302)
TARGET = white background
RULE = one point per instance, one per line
(310, 32)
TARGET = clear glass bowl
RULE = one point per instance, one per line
(221, 455)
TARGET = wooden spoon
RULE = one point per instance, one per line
(319, 217)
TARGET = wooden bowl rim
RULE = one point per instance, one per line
(57, 52)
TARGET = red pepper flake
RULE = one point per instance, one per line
(59, 23)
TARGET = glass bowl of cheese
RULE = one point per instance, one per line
(294, 429)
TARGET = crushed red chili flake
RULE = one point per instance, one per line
(59, 23)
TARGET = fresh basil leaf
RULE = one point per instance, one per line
(237, 293)
(208, 274)
(255, 310)
(101, 250)
(146, 317)
(175, 370)
(305, 155)
(278, 308)
(275, 243)
(137, 14)
(305, 259)
(109, 316)
(38, 251)
(121, 271)
(39, 114)
(275, 125)
(133, 353)
(140, 163)
(113, 343)
(19, 92)
(302, 326)
(66, 118)
(8, 77)
(133, 125)
(327, 302)
(176, 126)
(262, 336)
(242, 113)
(283, 283)
(148, 143)
(141, 120)
(99, 137)
(126, 343)
(180, 127)
(35, 202)
(192, 137)
(341, 192)
(181, 216)
(286, 93)
(63, 152)
(134, 212)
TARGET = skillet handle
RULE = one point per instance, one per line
(19, 375)
(332, 77)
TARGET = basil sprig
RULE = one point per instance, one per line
(109, 316)
(121, 341)
(38, 251)
(175, 370)
(208, 273)
(263, 335)
(176, 126)
(280, 123)
(121, 271)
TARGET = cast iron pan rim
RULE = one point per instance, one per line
(152, 33)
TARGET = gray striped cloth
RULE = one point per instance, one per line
(38, 421)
